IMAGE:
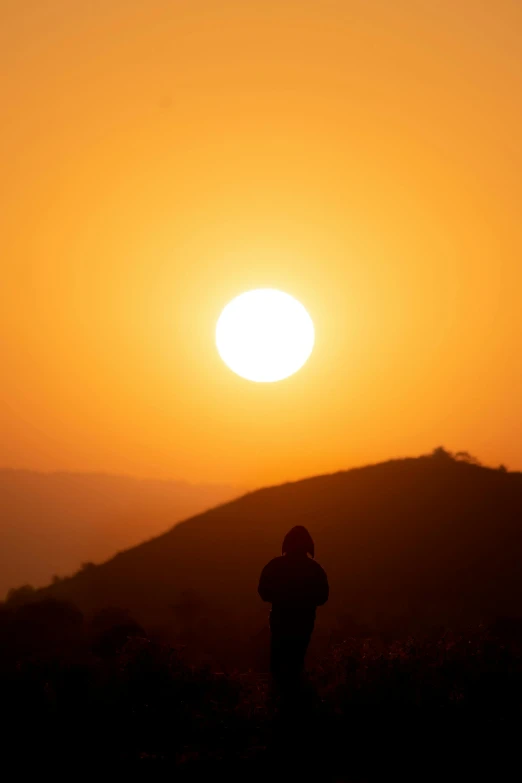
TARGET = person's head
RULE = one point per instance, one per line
(298, 541)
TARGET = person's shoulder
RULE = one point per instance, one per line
(316, 567)
(274, 563)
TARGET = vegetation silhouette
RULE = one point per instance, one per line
(295, 585)
(445, 704)
(138, 664)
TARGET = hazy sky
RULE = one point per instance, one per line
(158, 157)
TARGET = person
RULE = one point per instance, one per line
(295, 585)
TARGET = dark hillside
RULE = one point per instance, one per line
(50, 523)
(408, 542)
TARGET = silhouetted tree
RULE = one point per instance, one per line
(109, 617)
(441, 453)
(18, 596)
(188, 611)
(465, 456)
(112, 628)
(44, 625)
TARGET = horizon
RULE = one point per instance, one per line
(439, 458)
(134, 477)
(113, 517)
(458, 455)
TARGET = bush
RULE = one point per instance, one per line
(418, 707)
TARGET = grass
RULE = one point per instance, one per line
(446, 706)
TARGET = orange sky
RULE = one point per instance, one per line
(160, 157)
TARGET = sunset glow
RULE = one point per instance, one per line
(260, 405)
(160, 158)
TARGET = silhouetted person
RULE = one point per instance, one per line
(295, 585)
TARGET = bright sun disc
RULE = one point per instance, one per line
(264, 335)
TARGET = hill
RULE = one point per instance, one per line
(411, 541)
(407, 542)
(52, 522)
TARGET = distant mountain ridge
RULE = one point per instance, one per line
(52, 522)
(432, 539)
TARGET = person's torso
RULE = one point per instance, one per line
(295, 583)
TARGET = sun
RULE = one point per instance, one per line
(264, 335)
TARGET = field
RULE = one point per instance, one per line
(89, 696)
